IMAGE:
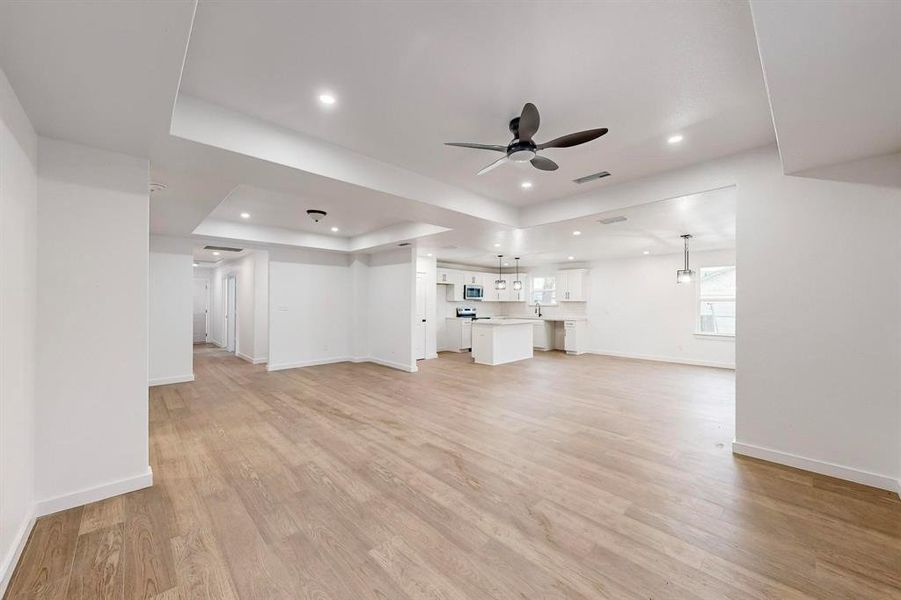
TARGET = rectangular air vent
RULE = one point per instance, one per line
(612, 220)
(222, 248)
(588, 178)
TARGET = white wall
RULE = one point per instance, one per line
(91, 421)
(18, 296)
(171, 307)
(310, 307)
(260, 305)
(391, 296)
(636, 309)
(819, 354)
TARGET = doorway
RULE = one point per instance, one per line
(231, 313)
(201, 311)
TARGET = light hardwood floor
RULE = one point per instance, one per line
(558, 477)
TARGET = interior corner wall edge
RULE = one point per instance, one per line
(391, 294)
(171, 342)
(92, 352)
(18, 297)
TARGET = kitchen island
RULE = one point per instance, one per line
(500, 341)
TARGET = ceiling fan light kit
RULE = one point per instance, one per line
(522, 149)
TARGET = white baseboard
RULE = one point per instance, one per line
(254, 360)
(101, 492)
(12, 557)
(392, 364)
(666, 359)
(168, 380)
(818, 466)
(307, 363)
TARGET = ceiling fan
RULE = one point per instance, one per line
(523, 149)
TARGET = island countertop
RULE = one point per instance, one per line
(501, 322)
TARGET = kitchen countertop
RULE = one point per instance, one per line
(500, 322)
(545, 318)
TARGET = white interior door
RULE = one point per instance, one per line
(420, 326)
(201, 310)
(231, 314)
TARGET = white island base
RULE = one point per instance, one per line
(500, 341)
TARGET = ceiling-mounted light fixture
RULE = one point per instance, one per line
(517, 283)
(685, 275)
(500, 283)
(316, 214)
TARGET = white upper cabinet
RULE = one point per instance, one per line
(572, 285)
(457, 279)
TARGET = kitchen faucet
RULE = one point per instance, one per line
(538, 308)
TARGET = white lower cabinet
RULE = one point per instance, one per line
(575, 334)
(459, 334)
(543, 335)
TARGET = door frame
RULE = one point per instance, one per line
(226, 280)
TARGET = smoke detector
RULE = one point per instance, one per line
(316, 214)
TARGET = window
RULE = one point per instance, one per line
(716, 301)
(544, 290)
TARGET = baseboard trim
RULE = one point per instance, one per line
(12, 557)
(393, 365)
(307, 363)
(817, 466)
(101, 492)
(252, 360)
(666, 359)
(170, 380)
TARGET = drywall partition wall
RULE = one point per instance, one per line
(243, 270)
(171, 357)
(310, 301)
(637, 310)
(18, 296)
(818, 347)
(92, 419)
(260, 306)
(390, 311)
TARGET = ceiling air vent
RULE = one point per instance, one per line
(588, 178)
(612, 220)
(403, 244)
(222, 248)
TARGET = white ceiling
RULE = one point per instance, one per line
(410, 76)
(655, 227)
(833, 70)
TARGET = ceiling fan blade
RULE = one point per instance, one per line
(528, 122)
(545, 164)
(478, 146)
(493, 165)
(574, 139)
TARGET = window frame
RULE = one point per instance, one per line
(530, 299)
(699, 298)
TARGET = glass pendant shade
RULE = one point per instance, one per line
(500, 284)
(517, 285)
(684, 275)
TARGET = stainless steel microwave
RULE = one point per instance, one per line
(473, 292)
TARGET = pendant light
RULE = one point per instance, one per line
(685, 275)
(517, 284)
(500, 283)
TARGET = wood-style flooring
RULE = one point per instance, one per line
(557, 477)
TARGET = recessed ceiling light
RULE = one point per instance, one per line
(196, 265)
(245, 215)
(506, 264)
(335, 229)
(674, 139)
(327, 99)
(646, 252)
(526, 185)
(215, 254)
(570, 258)
(577, 232)
(497, 245)
(428, 254)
